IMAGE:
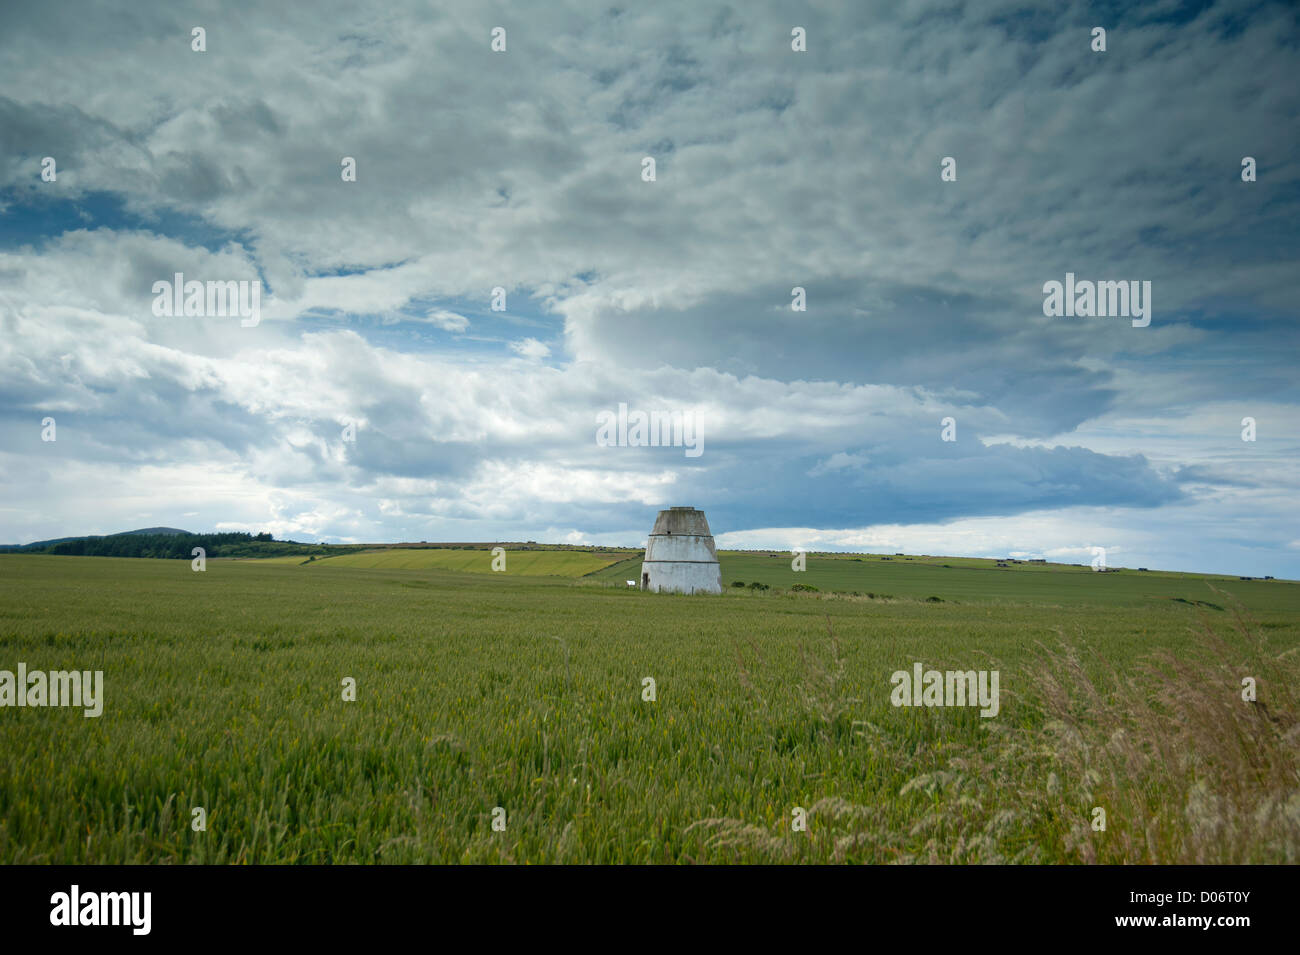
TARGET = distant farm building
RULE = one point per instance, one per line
(680, 556)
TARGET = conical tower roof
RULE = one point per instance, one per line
(680, 522)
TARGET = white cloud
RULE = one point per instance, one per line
(530, 348)
(447, 320)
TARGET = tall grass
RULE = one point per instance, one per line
(222, 690)
(1186, 770)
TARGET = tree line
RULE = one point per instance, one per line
(181, 546)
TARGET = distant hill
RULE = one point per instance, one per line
(176, 544)
(36, 545)
(41, 545)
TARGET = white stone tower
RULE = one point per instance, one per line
(680, 556)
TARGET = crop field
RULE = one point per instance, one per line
(981, 581)
(531, 563)
(524, 698)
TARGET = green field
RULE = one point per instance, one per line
(528, 563)
(481, 690)
(981, 581)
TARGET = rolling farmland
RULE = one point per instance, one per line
(525, 692)
(530, 563)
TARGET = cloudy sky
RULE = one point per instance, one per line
(774, 169)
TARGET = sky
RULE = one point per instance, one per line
(379, 396)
